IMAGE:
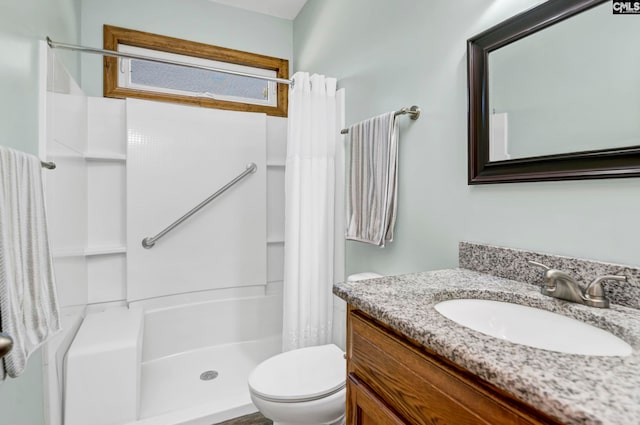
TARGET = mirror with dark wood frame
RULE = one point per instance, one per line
(615, 160)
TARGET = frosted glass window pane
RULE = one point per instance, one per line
(197, 80)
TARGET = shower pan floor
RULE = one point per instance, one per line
(173, 393)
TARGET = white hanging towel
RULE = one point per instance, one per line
(373, 180)
(28, 299)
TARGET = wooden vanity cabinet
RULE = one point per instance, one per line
(392, 380)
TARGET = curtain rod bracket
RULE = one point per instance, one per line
(415, 112)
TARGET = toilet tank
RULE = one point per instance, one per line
(362, 276)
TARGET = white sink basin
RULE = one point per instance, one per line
(533, 327)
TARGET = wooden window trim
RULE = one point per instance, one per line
(113, 36)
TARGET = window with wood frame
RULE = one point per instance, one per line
(199, 87)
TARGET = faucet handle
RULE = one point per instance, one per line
(594, 289)
(550, 284)
(540, 265)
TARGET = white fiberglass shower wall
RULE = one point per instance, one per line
(177, 157)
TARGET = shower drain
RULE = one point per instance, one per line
(209, 375)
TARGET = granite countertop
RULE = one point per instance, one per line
(575, 389)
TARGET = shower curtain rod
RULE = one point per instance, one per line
(85, 49)
(414, 111)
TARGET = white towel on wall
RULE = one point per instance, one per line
(28, 299)
(373, 180)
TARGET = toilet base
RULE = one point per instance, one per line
(329, 410)
(341, 421)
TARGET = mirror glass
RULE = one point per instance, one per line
(573, 87)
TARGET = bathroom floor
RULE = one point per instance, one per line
(253, 419)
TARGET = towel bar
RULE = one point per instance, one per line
(414, 111)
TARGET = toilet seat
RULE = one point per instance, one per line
(300, 375)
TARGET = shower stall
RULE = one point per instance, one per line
(166, 334)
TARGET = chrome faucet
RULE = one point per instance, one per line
(559, 284)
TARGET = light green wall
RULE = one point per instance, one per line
(22, 24)
(196, 20)
(389, 54)
(21, 399)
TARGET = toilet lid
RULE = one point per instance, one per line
(300, 375)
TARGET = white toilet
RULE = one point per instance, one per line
(306, 386)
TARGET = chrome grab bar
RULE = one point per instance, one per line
(6, 344)
(149, 242)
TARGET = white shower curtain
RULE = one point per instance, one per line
(310, 210)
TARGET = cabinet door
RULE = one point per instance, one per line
(365, 408)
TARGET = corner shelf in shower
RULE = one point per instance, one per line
(274, 164)
(105, 250)
(101, 156)
(89, 252)
(70, 252)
